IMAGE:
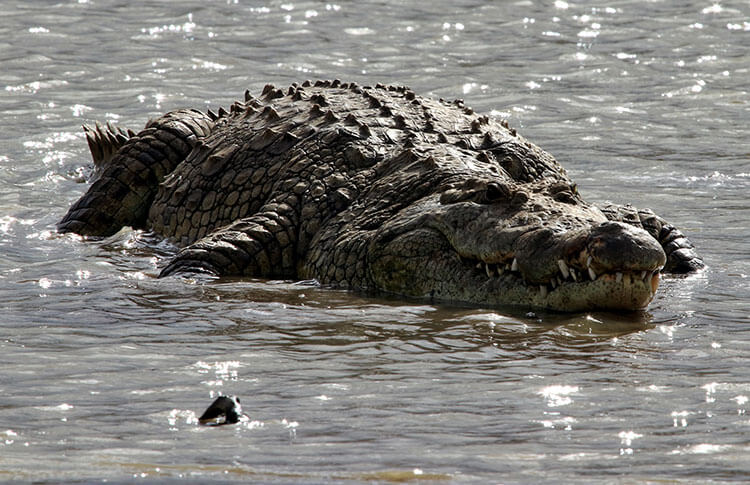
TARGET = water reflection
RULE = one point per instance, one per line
(305, 319)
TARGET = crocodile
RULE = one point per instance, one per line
(374, 189)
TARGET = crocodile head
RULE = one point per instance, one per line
(535, 244)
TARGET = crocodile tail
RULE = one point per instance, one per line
(681, 254)
(130, 168)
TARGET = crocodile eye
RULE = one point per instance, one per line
(496, 192)
(564, 191)
(566, 197)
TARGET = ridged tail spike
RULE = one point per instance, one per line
(105, 142)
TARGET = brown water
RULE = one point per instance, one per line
(104, 367)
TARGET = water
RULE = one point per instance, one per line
(104, 367)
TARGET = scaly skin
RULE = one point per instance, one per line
(375, 189)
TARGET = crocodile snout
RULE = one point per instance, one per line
(615, 246)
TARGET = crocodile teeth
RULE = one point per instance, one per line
(643, 275)
(478, 266)
(573, 274)
(563, 268)
(618, 277)
(514, 266)
(592, 274)
(588, 261)
(543, 290)
(488, 270)
(654, 281)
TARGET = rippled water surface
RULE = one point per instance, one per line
(104, 367)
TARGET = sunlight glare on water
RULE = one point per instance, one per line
(106, 367)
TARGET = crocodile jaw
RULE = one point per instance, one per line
(407, 265)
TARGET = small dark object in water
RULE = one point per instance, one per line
(224, 410)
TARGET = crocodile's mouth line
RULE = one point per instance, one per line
(567, 275)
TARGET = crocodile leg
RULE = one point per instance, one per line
(261, 245)
(681, 254)
(130, 171)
